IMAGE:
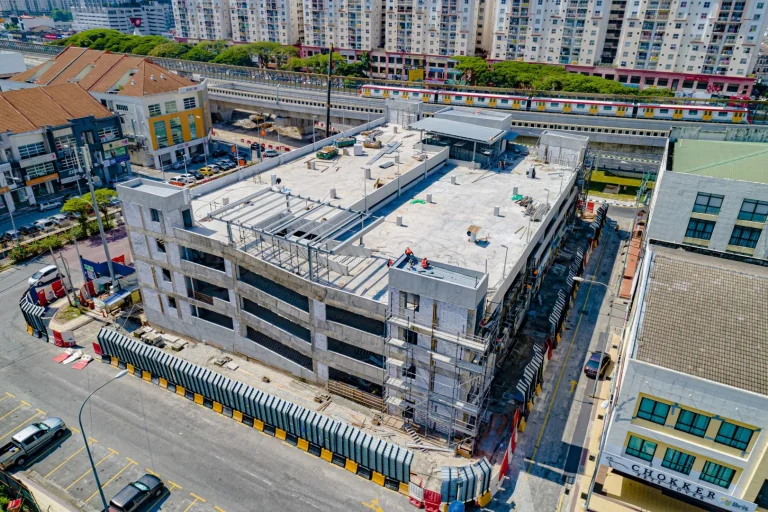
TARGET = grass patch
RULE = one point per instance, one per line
(606, 178)
(67, 313)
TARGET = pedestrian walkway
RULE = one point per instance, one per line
(46, 501)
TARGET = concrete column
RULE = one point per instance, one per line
(9, 202)
(157, 161)
(30, 195)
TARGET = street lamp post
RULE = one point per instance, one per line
(314, 122)
(506, 252)
(85, 439)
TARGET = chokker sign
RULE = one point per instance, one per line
(675, 483)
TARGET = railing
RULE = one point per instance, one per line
(202, 297)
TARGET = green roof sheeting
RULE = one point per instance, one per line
(742, 161)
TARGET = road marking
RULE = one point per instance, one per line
(7, 396)
(197, 498)
(73, 429)
(219, 509)
(151, 472)
(130, 463)
(65, 461)
(174, 485)
(23, 403)
(562, 370)
(560, 502)
(38, 413)
(111, 453)
(574, 383)
(373, 505)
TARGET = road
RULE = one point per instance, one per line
(213, 462)
(550, 451)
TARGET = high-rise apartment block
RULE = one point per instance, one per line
(653, 36)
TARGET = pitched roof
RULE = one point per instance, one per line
(99, 71)
(25, 110)
(742, 161)
(705, 316)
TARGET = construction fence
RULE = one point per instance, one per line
(384, 463)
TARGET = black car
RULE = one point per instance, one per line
(28, 230)
(220, 152)
(137, 494)
(197, 175)
(198, 159)
(597, 364)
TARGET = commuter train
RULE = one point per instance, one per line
(698, 113)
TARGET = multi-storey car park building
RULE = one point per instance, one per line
(400, 281)
(689, 414)
(265, 20)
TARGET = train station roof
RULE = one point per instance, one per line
(459, 130)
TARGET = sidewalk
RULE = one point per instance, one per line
(46, 500)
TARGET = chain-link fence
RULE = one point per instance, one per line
(12, 489)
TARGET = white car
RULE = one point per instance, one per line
(45, 224)
(49, 205)
(44, 276)
(60, 219)
(186, 178)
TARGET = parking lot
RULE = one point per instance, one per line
(64, 463)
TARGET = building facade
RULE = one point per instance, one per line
(19, 7)
(265, 20)
(164, 116)
(46, 134)
(202, 19)
(156, 18)
(689, 416)
(712, 195)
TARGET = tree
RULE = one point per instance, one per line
(104, 197)
(282, 55)
(170, 50)
(206, 51)
(474, 69)
(295, 64)
(82, 207)
(61, 15)
(235, 56)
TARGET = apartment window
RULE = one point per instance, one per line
(734, 436)
(192, 126)
(708, 203)
(172, 303)
(121, 107)
(35, 171)
(754, 211)
(30, 150)
(706, 5)
(652, 410)
(745, 237)
(701, 229)
(693, 423)
(160, 245)
(177, 136)
(161, 134)
(154, 110)
(678, 461)
(641, 448)
(154, 215)
(167, 275)
(717, 474)
(170, 107)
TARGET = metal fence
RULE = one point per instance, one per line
(14, 489)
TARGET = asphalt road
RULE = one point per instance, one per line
(209, 462)
(551, 449)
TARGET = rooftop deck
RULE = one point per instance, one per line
(284, 222)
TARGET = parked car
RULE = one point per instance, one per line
(49, 205)
(137, 494)
(73, 215)
(45, 224)
(270, 153)
(186, 178)
(219, 152)
(9, 236)
(44, 276)
(60, 219)
(226, 164)
(197, 174)
(597, 364)
(216, 168)
(178, 182)
(28, 230)
(198, 159)
(178, 164)
(29, 441)
(206, 171)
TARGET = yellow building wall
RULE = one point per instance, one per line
(185, 131)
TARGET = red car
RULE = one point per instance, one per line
(597, 364)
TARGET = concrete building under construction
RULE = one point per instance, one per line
(394, 275)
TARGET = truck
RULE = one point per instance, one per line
(30, 440)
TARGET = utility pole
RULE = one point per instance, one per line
(69, 277)
(328, 98)
(87, 160)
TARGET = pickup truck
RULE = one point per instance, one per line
(29, 440)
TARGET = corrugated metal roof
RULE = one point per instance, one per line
(742, 161)
(459, 130)
(705, 316)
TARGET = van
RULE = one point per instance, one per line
(49, 205)
(45, 224)
(44, 276)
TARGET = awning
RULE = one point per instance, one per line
(510, 136)
(456, 129)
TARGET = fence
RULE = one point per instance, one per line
(33, 315)
(384, 463)
(14, 490)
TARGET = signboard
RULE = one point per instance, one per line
(676, 483)
(114, 144)
(14, 504)
(191, 88)
(415, 75)
(90, 273)
(40, 159)
(136, 22)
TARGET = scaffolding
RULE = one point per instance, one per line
(452, 410)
